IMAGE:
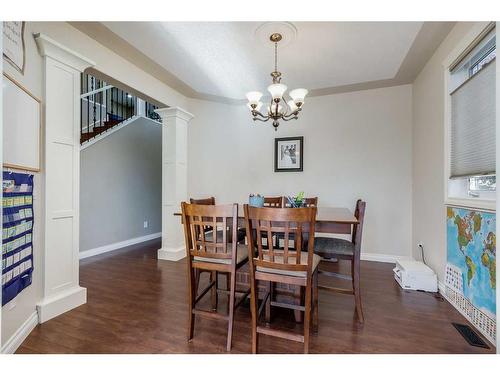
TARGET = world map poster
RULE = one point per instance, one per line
(471, 256)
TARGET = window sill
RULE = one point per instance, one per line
(473, 203)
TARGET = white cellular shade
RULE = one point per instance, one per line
(473, 125)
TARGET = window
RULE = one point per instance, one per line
(471, 122)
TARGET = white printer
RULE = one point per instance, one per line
(414, 275)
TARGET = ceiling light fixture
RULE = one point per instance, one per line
(279, 108)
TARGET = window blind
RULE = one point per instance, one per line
(473, 125)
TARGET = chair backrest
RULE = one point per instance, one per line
(285, 221)
(308, 202)
(206, 201)
(357, 231)
(222, 219)
(274, 202)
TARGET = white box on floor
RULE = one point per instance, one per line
(414, 275)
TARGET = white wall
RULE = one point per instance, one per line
(120, 185)
(356, 145)
(429, 213)
(18, 312)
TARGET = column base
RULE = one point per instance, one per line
(60, 303)
(172, 254)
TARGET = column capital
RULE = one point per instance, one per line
(49, 47)
(178, 112)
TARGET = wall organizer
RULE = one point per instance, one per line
(17, 234)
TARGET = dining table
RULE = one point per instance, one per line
(331, 220)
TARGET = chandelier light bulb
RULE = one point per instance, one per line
(277, 90)
(298, 96)
(292, 106)
(257, 108)
(254, 97)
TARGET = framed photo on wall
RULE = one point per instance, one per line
(289, 154)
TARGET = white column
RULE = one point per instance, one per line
(174, 180)
(61, 178)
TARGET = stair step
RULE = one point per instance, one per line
(96, 130)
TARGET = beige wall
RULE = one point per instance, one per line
(120, 185)
(16, 313)
(429, 225)
(357, 145)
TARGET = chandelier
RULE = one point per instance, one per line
(279, 108)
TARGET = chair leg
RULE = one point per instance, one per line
(315, 301)
(270, 290)
(307, 316)
(192, 298)
(254, 308)
(356, 288)
(299, 315)
(232, 293)
(196, 279)
(213, 277)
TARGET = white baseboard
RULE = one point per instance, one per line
(172, 254)
(60, 303)
(118, 245)
(384, 258)
(20, 335)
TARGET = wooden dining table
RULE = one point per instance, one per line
(333, 220)
(337, 220)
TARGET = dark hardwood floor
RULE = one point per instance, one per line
(137, 304)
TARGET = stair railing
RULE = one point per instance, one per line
(104, 106)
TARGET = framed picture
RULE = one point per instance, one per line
(289, 154)
(13, 44)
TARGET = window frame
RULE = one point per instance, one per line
(484, 201)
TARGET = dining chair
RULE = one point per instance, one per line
(336, 248)
(274, 202)
(208, 233)
(287, 266)
(308, 202)
(218, 253)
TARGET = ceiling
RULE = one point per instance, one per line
(228, 59)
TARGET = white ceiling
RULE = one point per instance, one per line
(227, 59)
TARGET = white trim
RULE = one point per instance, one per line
(49, 47)
(20, 335)
(165, 113)
(114, 129)
(479, 204)
(463, 47)
(58, 304)
(384, 258)
(118, 245)
(172, 254)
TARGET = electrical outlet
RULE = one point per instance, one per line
(146, 223)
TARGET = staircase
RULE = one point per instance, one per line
(104, 106)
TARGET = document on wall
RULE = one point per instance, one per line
(13, 43)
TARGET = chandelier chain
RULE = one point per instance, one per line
(275, 56)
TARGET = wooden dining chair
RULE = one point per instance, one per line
(308, 202)
(336, 248)
(274, 202)
(287, 266)
(216, 254)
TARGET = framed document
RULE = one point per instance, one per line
(13, 44)
(289, 154)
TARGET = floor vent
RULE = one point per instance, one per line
(470, 336)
